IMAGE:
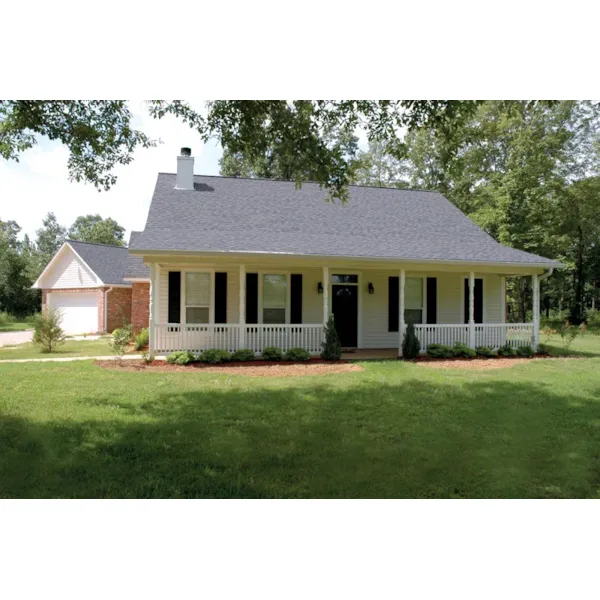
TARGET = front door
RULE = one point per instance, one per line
(344, 306)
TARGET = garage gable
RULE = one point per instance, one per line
(67, 270)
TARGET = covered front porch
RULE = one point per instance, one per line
(199, 305)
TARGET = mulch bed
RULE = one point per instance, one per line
(248, 369)
(479, 363)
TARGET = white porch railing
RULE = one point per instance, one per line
(285, 337)
(171, 337)
(514, 334)
(494, 335)
(447, 335)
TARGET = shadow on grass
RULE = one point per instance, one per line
(370, 440)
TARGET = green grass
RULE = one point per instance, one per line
(15, 326)
(69, 348)
(394, 430)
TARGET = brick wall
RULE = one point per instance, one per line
(119, 308)
(140, 306)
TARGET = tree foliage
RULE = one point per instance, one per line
(93, 228)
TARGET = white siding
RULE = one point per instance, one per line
(373, 320)
(69, 272)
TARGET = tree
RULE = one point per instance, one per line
(98, 133)
(49, 239)
(93, 228)
(378, 168)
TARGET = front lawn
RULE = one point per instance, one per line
(69, 348)
(394, 430)
(15, 326)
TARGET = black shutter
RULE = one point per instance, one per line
(251, 298)
(431, 300)
(174, 312)
(220, 297)
(296, 299)
(393, 302)
(478, 301)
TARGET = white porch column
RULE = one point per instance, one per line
(472, 309)
(152, 316)
(242, 307)
(536, 311)
(325, 294)
(401, 324)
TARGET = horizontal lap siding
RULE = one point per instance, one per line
(375, 332)
(312, 301)
(450, 308)
(492, 301)
(69, 272)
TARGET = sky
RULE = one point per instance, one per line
(39, 182)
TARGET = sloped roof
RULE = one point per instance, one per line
(134, 265)
(108, 262)
(229, 214)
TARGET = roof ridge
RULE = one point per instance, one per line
(96, 244)
(376, 187)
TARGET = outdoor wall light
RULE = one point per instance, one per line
(320, 287)
(371, 288)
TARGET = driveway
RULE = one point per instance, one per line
(11, 338)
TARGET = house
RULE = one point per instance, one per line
(227, 262)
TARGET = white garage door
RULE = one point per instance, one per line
(79, 311)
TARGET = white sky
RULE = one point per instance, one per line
(39, 182)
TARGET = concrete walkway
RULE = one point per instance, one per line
(72, 358)
(12, 338)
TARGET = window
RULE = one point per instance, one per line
(344, 279)
(413, 300)
(197, 297)
(274, 299)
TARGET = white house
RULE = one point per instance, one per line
(248, 263)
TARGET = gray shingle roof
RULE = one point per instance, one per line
(228, 214)
(134, 265)
(108, 262)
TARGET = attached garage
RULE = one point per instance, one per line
(84, 281)
(79, 310)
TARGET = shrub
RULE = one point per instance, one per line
(506, 350)
(47, 330)
(332, 349)
(463, 351)
(439, 351)
(410, 343)
(6, 318)
(485, 351)
(525, 351)
(242, 355)
(544, 348)
(119, 340)
(271, 353)
(297, 354)
(568, 333)
(142, 339)
(182, 357)
(214, 356)
(148, 357)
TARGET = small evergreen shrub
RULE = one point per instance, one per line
(439, 351)
(142, 339)
(271, 353)
(182, 357)
(463, 351)
(485, 351)
(544, 349)
(242, 355)
(506, 350)
(332, 349)
(214, 356)
(119, 340)
(148, 357)
(410, 344)
(297, 354)
(47, 330)
(525, 351)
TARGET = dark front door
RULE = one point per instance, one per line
(344, 306)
